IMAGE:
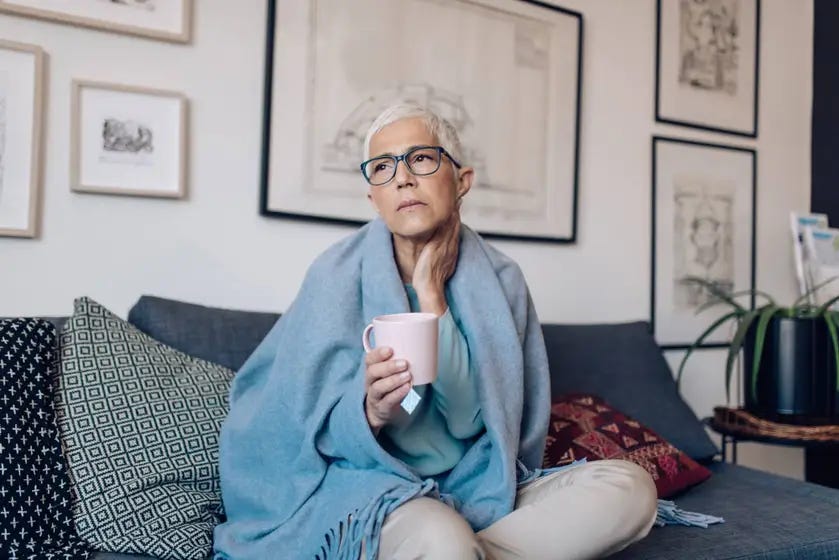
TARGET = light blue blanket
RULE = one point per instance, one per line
(302, 475)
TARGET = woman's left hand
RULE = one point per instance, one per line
(436, 264)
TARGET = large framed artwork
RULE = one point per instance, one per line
(505, 73)
(707, 64)
(21, 109)
(128, 140)
(703, 225)
(168, 20)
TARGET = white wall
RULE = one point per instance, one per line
(214, 248)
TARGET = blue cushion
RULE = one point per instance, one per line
(622, 363)
(223, 336)
(767, 517)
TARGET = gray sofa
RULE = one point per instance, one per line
(766, 516)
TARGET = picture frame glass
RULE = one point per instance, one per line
(704, 227)
(18, 151)
(129, 142)
(162, 16)
(518, 123)
(707, 62)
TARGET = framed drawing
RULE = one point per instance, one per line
(128, 140)
(519, 122)
(168, 20)
(703, 225)
(707, 61)
(21, 113)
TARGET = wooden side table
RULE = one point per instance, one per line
(821, 443)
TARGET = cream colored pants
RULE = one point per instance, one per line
(588, 511)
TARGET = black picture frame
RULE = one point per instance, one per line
(268, 126)
(750, 195)
(662, 116)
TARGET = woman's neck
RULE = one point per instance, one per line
(407, 251)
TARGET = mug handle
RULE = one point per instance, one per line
(365, 338)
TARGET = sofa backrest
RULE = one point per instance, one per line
(619, 362)
(223, 336)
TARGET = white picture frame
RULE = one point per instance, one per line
(128, 140)
(22, 91)
(166, 20)
(703, 225)
(707, 64)
(519, 123)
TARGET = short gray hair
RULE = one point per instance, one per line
(442, 129)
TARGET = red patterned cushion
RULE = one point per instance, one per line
(585, 426)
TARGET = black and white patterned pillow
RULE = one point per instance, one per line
(140, 421)
(36, 517)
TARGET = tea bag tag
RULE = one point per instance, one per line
(411, 400)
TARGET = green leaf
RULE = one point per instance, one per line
(715, 290)
(813, 290)
(765, 316)
(713, 302)
(700, 340)
(826, 305)
(735, 346)
(831, 327)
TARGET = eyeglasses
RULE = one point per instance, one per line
(420, 160)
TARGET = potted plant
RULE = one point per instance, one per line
(791, 354)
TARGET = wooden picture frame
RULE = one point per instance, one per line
(119, 146)
(116, 18)
(22, 92)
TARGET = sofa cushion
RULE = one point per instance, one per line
(223, 336)
(622, 364)
(767, 517)
(36, 516)
(585, 426)
(140, 422)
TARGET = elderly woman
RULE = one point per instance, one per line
(318, 458)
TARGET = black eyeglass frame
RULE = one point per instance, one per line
(403, 158)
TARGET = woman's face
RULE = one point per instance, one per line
(414, 207)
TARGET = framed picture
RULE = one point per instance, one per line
(128, 140)
(168, 20)
(21, 109)
(707, 60)
(519, 122)
(703, 225)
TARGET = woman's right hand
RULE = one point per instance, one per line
(386, 383)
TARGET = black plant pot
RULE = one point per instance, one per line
(796, 381)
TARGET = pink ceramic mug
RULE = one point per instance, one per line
(413, 337)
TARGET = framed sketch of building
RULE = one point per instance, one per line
(506, 73)
(707, 64)
(128, 140)
(21, 109)
(703, 225)
(167, 20)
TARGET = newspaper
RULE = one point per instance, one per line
(822, 249)
(801, 223)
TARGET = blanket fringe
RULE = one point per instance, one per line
(344, 541)
(670, 514)
(525, 475)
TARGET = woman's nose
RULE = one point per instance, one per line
(403, 176)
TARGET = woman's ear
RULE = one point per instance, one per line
(464, 183)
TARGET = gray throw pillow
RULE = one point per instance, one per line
(622, 364)
(140, 422)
